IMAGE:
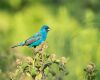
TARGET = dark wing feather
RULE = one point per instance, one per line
(33, 39)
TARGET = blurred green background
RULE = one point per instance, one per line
(75, 32)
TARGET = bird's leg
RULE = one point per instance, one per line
(40, 48)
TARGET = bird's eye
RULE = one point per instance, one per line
(46, 28)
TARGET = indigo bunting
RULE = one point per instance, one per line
(36, 39)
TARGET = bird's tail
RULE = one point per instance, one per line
(20, 44)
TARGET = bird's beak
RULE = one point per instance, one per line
(49, 29)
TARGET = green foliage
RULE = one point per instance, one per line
(75, 31)
(40, 67)
(90, 71)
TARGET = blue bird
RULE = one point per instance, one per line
(36, 39)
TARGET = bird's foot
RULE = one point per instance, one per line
(41, 48)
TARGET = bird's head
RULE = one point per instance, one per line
(45, 28)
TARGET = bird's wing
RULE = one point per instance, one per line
(32, 39)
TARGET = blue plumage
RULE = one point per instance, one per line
(36, 39)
